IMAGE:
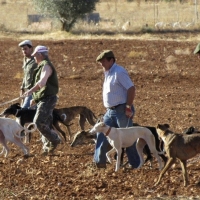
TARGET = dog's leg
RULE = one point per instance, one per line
(184, 171)
(4, 144)
(140, 146)
(119, 154)
(57, 127)
(122, 157)
(18, 142)
(108, 154)
(167, 166)
(82, 121)
(3, 149)
(155, 153)
(7, 150)
(69, 131)
(152, 146)
(164, 159)
(26, 138)
(149, 157)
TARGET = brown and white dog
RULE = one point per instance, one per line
(125, 137)
(178, 146)
(68, 114)
(10, 131)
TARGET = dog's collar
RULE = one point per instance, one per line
(16, 112)
(108, 131)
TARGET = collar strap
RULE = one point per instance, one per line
(108, 131)
(16, 112)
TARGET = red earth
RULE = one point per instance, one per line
(166, 74)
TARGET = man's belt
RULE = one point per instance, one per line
(114, 107)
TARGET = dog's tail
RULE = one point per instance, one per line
(90, 117)
(63, 117)
(27, 130)
(33, 127)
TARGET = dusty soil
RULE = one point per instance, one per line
(166, 75)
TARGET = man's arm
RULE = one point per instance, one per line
(130, 95)
(46, 72)
(129, 102)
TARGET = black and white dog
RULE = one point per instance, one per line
(26, 116)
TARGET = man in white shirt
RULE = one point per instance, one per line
(118, 96)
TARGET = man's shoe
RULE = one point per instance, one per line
(100, 165)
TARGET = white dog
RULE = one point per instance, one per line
(10, 131)
(125, 137)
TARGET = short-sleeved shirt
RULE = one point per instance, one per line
(115, 86)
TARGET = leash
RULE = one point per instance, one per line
(128, 122)
(10, 101)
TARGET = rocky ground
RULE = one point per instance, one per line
(166, 75)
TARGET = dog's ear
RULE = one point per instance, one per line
(158, 126)
(167, 125)
(16, 105)
(190, 130)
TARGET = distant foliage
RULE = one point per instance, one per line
(67, 11)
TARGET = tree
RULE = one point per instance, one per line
(67, 11)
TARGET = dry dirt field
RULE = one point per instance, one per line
(166, 75)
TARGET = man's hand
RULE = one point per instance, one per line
(21, 92)
(26, 94)
(129, 112)
(32, 102)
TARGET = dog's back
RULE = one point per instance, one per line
(183, 146)
(10, 128)
(131, 134)
(70, 113)
(9, 124)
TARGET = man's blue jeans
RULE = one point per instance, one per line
(115, 118)
(27, 100)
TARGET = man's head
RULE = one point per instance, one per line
(40, 53)
(106, 59)
(26, 47)
(197, 50)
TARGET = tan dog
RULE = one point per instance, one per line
(178, 146)
(68, 114)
